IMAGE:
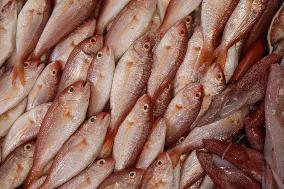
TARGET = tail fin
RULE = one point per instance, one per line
(18, 72)
(221, 55)
(107, 146)
(206, 54)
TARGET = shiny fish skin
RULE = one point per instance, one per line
(160, 174)
(100, 76)
(64, 48)
(162, 102)
(154, 144)
(80, 150)
(162, 7)
(182, 111)
(8, 118)
(207, 183)
(14, 170)
(132, 133)
(109, 10)
(125, 179)
(45, 87)
(37, 183)
(129, 25)
(79, 61)
(13, 93)
(168, 56)
(62, 119)
(24, 129)
(58, 26)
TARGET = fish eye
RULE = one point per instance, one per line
(219, 76)
(93, 119)
(181, 140)
(27, 147)
(26, 64)
(145, 107)
(182, 32)
(93, 40)
(132, 174)
(71, 89)
(188, 19)
(101, 162)
(53, 72)
(197, 95)
(147, 46)
(159, 163)
(100, 54)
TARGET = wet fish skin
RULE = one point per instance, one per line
(182, 111)
(8, 118)
(12, 93)
(125, 179)
(132, 133)
(37, 183)
(131, 23)
(100, 76)
(162, 102)
(45, 87)
(24, 129)
(79, 61)
(64, 48)
(154, 144)
(15, 168)
(67, 111)
(160, 173)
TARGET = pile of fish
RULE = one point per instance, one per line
(150, 94)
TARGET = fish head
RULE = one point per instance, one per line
(102, 165)
(179, 31)
(145, 106)
(193, 94)
(162, 165)
(33, 68)
(132, 177)
(102, 119)
(144, 45)
(55, 70)
(90, 45)
(75, 92)
(104, 52)
(27, 150)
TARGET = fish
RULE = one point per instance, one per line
(162, 7)
(14, 170)
(46, 85)
(207, 183)
(154, 144)
(182, 111)
(68, 110)
(177, 176)
(24, 129)
(125, 179)
(191, 171)
(162, 102)
(224, 174)
(79, 61)
(64, 48)
(12, 93)
(168, 56)
(130, 24)
(274, 108)
(177, 10)
(132, 134)
(160, 174)
(8, 118)
(58, 25)
(109, 10)
(100, 76)
(129, 80)
(31, 22)
(80, 150)
(197, 184)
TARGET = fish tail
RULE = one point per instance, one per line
(221, 55)
(174, 154)
(206, 54)
(18, 72)
(107, 146)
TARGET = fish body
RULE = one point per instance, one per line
(162, 102)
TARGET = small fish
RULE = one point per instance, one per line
(168, 56)
(8, 118)
(100, 76)
(79, 151)
(162, 102)
(64, 48)
(125, 179)
(79, 61)
(13, 93)
(132, 133)
(24, 129)
(131, 23)
(160, 174)
(45, 87)
(15, 168)
(182, 111)
(62, 119)
(162, 7)
(154, 144)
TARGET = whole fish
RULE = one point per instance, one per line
(92, 176)
(160, 174)
(162, 102)
(62, 119)
(65, 17)
(182, 111)
(130, 79)
(15, 168)
(79, 151)
(109, 10)
(100, 76)
(24, 129)
(129, 24)
(79, 61)
(64, 48)
(177, 10)
(154, 144)
(168, 56)
(132, 133)
(162, 7)
(8, 118)
(12, 93)
(125, 179)
(31, 22)
(45, 87)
